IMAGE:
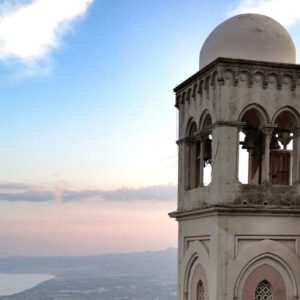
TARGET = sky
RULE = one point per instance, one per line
(87, 118)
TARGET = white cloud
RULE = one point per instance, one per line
(286, 12)
(29, 30)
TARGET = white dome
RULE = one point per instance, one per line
(249, 36)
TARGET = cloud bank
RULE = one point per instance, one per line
(31, 196)
(286, 12)
(157, 192)
(23, 192)
(29, 30)
(14, 186)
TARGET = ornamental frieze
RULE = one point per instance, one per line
(230, 72)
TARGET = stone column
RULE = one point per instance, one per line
(181, 174)
(202, 136)
(267, 131)
(188, 142)
(296, 156)
(187, 158)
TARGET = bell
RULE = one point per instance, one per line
(248, 142)
(284, 138)
(207, 151)
(274, 143)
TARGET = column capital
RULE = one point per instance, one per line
(201, 135)
(268, 129)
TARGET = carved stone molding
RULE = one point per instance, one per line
(242, 242)
(201, 135)
(203, 239)
(251, 71)
(186, 140)
(239, 125)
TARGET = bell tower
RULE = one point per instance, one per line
(239, 166)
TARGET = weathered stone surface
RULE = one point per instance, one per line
(231, 235)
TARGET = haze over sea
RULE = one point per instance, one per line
(143, 276)
(17, 283)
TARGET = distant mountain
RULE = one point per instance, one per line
(136, 276)
(148, 262)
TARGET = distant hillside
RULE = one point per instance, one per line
(131, 276)
(117, 264)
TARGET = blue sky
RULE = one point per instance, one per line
(87, 107)
(106, 99)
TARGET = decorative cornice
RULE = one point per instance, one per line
(233, 209)
(255, 71)
(239, 63)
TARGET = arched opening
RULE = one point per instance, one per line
(196, 284)
(207, 163)
(281, 158)
(263, 291)
(205, 142)
(200, 290)
(251, 148)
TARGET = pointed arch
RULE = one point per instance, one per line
(264, 281)
(195, 264)
(205, 120)
(190, 127)
(285, 160)
(288, 110)
(263, 258)
(256, 118)
(262, 117)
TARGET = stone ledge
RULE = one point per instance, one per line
(237, 209)
(283, 195)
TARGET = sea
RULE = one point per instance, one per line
(11, 284)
